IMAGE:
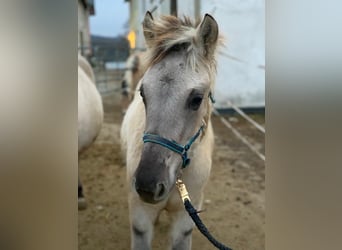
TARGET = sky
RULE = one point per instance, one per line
(110, 18)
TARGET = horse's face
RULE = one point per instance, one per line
(176, 99)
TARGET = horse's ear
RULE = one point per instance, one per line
(147, 27)
(208, 35)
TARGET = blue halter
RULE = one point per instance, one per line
(174, 146)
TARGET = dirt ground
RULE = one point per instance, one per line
(234, 197)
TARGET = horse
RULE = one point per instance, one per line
(171, 108)
(90, 113)
(133, 73)
(84, 64)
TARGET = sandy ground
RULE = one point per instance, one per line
(234, 197)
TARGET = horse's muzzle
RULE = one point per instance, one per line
(152, 176)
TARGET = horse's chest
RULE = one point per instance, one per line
(174, 202)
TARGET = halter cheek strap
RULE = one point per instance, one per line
(174, 146)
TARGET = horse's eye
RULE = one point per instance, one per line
(141, 90)
(195, 102)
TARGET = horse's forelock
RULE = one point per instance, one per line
(169, 31)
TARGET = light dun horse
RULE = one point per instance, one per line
(174, 102)
(90, 112)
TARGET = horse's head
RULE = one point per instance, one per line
(175, 90)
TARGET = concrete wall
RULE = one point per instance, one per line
(241, 72)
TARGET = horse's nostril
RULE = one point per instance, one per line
(151, 193)
(161, 190)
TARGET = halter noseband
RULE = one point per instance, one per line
(174, 146)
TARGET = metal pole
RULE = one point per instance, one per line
(197, 9)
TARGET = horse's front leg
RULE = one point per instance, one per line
(181, 230)
(142, 218)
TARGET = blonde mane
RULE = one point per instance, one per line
(170, 31)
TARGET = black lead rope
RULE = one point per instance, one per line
(194, 216)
